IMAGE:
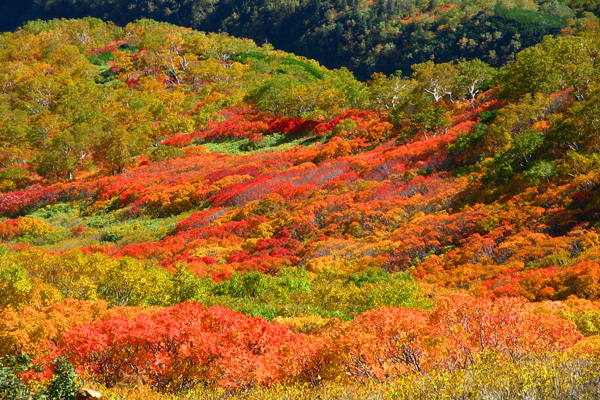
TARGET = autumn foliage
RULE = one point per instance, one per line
(187, 219)
(188, 344)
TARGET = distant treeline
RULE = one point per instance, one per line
(364, 36)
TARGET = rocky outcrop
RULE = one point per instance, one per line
(87, 394)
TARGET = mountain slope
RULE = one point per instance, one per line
(157, 180)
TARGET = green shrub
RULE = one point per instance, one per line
(163, 153)
(64, 385)
(11, 386)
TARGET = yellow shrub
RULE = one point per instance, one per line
(33, 227)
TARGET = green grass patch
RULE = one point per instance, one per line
(272, 143)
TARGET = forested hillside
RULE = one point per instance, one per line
(191, 215)
(364, 36)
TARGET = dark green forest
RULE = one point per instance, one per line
(365, 36)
